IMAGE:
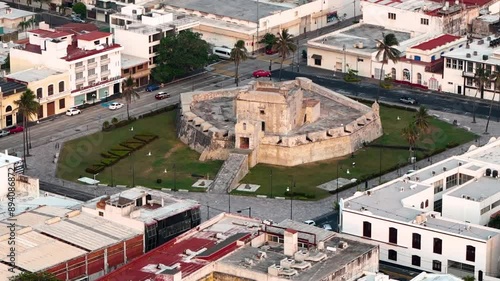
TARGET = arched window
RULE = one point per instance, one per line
(406, 75)
(244, 126)
(51, 90)
(427, 203)
(61, 86)
(422, 205)
(39, 93)
(393, 73)
(8, 108)
(419, 78)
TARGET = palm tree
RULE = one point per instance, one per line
(496, 86)
(269, 40)
(481, 77)
(422, 119)
(385, 52)
(238, 54)
(129, 93)
(284, 46)
(26, 106)
(410, 134)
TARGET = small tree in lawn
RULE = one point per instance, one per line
(386, 52)
(238, 54)
(129, 93)
(80, 9)
(422, 119)
(481, 77)
(410, 134)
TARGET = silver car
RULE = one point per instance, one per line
(328, 227)
(4, 133)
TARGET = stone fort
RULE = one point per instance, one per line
(280, 123)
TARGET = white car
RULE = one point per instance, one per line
(4, 133)
(328, 227)
(310, 222)
(73, 111)
(115, 105)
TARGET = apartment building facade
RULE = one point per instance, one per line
(91, 58)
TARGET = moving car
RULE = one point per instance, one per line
(162, 95)
(152, 88)
(328, 227)
(4, 133)
(115, 105)
(407, 100)
(310, 222)
(261, 73)
(73, 111)
(15, 129)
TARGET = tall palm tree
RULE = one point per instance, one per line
(26, 106)
(422, 119)
(496, 86)
(238, 54)
(385, 52)
(26, 24)
(410, 134)
(129, 93)
(481, 77)
(284, 46)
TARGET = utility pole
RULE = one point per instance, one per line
(258, 24)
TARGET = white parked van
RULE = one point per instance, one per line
(222, 52)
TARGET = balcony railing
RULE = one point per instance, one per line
(105, 73)
(80, 68)
(92, 65)
(92, 77)
(105, 61)
(54, 96)
(80, 80)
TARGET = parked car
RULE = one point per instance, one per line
(328, 227)
(115, 105)
(76, 18)
(407, 100)
(73, 111)
(310, 222)
(270, 51)
(4, 133)
(261, 73)
(152, 88)
(162, 95)
(15, 129)
(410, 172)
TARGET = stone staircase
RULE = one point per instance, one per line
(232, 171)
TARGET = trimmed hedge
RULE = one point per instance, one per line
(94, 169)
(145, 138)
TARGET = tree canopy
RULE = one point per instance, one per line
(180, 54)
(37, 276)
(80, 9)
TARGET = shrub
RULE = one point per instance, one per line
(110, 161)
(106, 155)
(119, 152)
(94, 169)
(158, 181)
(145, 138)
(105, 125)
(114, 121)
(304, 54)
(80, 9)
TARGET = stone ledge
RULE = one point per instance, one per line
(261, 196)
(280, 198)
(183, 190)
(166, 189)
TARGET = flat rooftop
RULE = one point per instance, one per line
(304, 230)
(479, 190)
(220, 113)
(5, 274)
(363, 33)
(318, 271)
(238, 9)
(148, 214)
(33, 74)
(490, 155)
(129, 61)
(15, 14)
(207, 243)
(436, 169)
(5, 158)
(484, 49)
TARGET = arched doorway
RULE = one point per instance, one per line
(433, 84)
(406, 75)
(8, 116)
(393, 73)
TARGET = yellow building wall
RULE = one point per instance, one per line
(53, 101)
(7, 101)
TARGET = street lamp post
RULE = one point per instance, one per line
(93, 98)
(337, 190)
(290, 191)
(106, 94)
(271, 176)
(229, 203)
(133, 164)
(380, 167)
(270, 68)
(344, 68)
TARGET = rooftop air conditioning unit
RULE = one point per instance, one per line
(475, 53)
(485, 57)
(444, 169)
(467, 55)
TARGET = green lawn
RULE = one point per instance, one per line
(167, 150)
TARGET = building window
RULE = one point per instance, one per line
(451, 181)
(485, 209)
(140, 66)
(468, 81)
(393, 235)
(61, 86)
(406, 75)
(461, 64)
(244, 126)
(417, 58)
(416, 241)
(393, 73)
(419, 79)
(448, 63)
(393, 255)
(125, 71)
(454, 64)
(91, 71)
(470, 66)
(367, 229)
(51, 90)
(262, 111)
(438, 186)
(8, 108)
(421, 205)
(91, 61)
(392, 16)
(427, 203)
(62, 103)
(79, 75)
(415, 260)
(78, 64)
(96, 42)
(104, 68)
(471, 253)
(101, 214)
(39, 93)
(424, 21)
(438, 246)
(317, 61)
(104, 57)
(263, 126)
(436, 265)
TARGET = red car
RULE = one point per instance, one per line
(261, 73)
(16, 129)
(270, 52)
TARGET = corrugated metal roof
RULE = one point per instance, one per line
(35, 251)
(5, 274)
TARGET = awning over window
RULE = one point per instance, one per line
(317, 57)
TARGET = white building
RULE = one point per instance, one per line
(404, 216)
(9, 166)
(92, 59)
(424, 276)
(140, 32)
(158, 215)
(421, 65)
(461, 65)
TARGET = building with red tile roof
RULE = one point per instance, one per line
(436, 42)
(90, 56)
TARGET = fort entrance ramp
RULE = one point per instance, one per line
(232, 171)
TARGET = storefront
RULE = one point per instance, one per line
(97, 93)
